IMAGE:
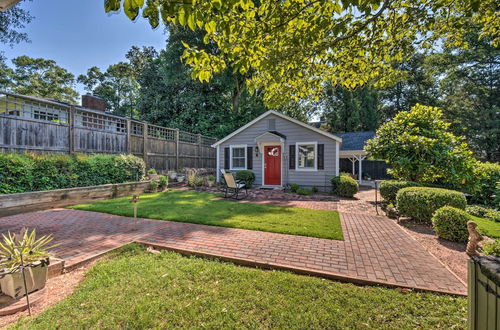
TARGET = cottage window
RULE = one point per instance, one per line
(238, 157)
(306, 155)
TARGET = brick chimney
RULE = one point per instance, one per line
(93, 102)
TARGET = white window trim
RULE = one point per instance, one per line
(231, 147)
(297, 144)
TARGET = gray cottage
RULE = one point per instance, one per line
(281, 150)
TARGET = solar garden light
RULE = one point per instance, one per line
(135, 200)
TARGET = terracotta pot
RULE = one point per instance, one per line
(13, 285)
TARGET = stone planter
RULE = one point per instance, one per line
(155, 177)
(13, 285)
(173, 175)
(180, 178)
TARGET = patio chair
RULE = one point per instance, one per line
(234, 186)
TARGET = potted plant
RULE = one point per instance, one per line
(153, 186)
(163, 183)
(24, 250)
(211, 180)
(181, 176)
(152, 174)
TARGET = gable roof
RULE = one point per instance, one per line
(290, 119)
(354, 140)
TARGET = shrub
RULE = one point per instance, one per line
(476, 210)
(421, 202)
(153, 185)
(451, 223)
(163, 182)
(152, 171)
(344, 185)
(314, 189)
(302, 191)
(390, 188)
(31, 172)
(484, 188)
(194, 180)
(492, 248)
(493, 215)
(294, 187)
(211, 178)
(246, 176)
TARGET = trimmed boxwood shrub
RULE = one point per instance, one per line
(390, 188)
(421, 202)
(246, 176)
(451, 223)
(33, 172)
(344, 185)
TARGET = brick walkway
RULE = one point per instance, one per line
(375, 249)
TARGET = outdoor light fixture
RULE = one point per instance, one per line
(6, 4)
(257, 151)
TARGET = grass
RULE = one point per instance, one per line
(201, 208)
(487, 227)
(134, 289)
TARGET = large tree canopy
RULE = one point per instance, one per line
(12, 21)
(41, 77)
(290, 48)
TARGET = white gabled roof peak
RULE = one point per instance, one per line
(279, 114)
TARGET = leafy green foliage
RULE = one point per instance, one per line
(314, 189)
(304, 192)
(451, 223)
(202, 208)
(420, 203)
(31, 172)
(390, 188)
(420, 148)
(12, 21)
(483, 212)
(43, 78)
(163, 183)
(152, 171)
(246, 176)
(194, 180)
(345, 186)
(291, 48)
(484, 187)
(148, 291)
(491, 248)
(294, 187)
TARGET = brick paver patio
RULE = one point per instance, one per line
(375, 249)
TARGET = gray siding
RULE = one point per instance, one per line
(294, 133)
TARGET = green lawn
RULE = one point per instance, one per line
(200, 207)
(136, 290)
(487, 227)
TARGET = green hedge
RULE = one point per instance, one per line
(390, 188)
(451, 223)
(246, 176)
(32, 172)
(344, 185)
(421, 202)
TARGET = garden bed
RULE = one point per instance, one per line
(134, 289)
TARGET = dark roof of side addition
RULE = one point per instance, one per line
(354, 140)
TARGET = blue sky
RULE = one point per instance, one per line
(78, 34)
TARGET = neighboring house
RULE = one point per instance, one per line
(281, 150)
(352, 148)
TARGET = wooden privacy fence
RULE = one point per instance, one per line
(39, 125)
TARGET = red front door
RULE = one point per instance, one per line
(272, 165)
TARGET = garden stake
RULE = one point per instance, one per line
(134, 200)
(25, 286)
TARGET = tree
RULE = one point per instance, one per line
(346, 110)
(291, 48)
(469, 86)
(419, 147)
(170, 97)
(11, 22)
(5, 74)
(120, 85)
(41, 77)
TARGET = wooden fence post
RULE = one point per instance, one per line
(177, 149)
(199, 161)
(129, 139)
(71, 130)
(145, 144)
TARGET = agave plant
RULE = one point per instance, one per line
(25, 245)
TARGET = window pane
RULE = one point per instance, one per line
(306, 156)
(239, 152)
(239, 158)
(238, 162)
